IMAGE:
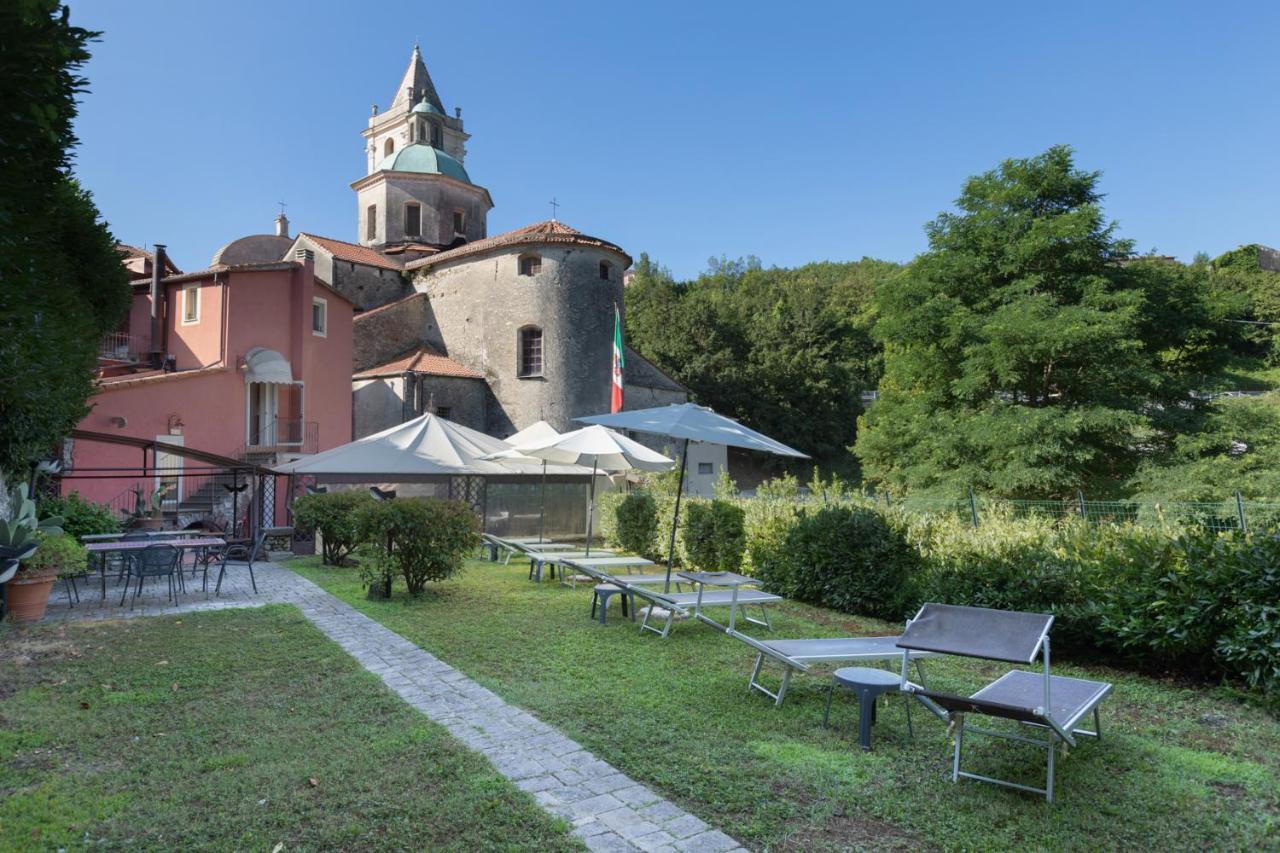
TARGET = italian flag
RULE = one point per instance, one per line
(615, 397)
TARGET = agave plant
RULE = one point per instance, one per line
(18, 530)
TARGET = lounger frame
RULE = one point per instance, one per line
(954, 709)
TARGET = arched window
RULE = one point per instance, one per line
(437, 137)
(606, 270)
(389, 147)
(412, 220)
(529, 357)
(530, 265)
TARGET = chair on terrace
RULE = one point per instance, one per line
(154, 561)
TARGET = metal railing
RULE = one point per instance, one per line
(121, 346)
(292, 435)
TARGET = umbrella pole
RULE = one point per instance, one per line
(542, 515)
(675, 520)
(591, 507)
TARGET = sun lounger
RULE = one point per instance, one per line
(684, 604)
(540, 558)
(518, 545)
(1045, 703)
(798, 655)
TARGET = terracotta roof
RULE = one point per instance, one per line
(421, 360)
(539, 233)
(259, 266)
(353, 253)
(146, 377)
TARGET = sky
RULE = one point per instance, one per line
(794, 132)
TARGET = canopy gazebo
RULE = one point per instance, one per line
(435, 457)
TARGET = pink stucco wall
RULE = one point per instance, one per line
(206, 399)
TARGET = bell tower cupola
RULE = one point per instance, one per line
(416, 191)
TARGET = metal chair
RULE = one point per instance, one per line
(126, 557)
(237, 550)
(151, 562)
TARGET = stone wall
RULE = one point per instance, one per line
(478, 306)
(380, 403)
(390, 331)
(366, 286)
(438, 195)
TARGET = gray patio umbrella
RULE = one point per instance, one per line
(691, 422)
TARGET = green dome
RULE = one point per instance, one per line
(419, 157)
(425, 106)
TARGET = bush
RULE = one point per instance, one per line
(714, 536)
(849, 559)
(333, 515)
(79, 516)
(58, 554)
(421, 539)
(636, 523)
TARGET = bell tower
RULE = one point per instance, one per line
(416, 190)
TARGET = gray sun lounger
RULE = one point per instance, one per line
(685, 604)
(519, 546)
(1049, 704)
(798, 655)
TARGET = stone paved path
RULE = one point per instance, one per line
(607, 809)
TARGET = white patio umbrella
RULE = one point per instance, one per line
(691, 422)
(536, 434)
(602, 449)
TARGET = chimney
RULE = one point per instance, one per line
(157, 294)
(282, 225)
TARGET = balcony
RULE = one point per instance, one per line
(123, 347)
(283, 435)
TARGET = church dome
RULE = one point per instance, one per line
(425, 106)
(419, 157)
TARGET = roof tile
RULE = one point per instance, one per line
(353, 253)
(549, 231)
(421, 360)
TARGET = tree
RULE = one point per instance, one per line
(786, 351)
(62, 285)
(1027, 353)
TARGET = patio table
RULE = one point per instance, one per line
(180, 543)
(732, 580)
(165, 534)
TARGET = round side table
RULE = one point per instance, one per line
(869, 684)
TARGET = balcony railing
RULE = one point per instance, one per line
(121, 346)
(291, 435)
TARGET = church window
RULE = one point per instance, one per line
(530, 265)
(437, 138)
(191, 304)
(606, 270)
(459, 223)
(389, 148)
(371, 223)
(530, 352)
(412, 220)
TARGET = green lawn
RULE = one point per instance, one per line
(234, 730)
(1179, 766)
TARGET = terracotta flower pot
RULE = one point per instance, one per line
(28, 597)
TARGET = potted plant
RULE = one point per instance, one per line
(57, 554)
(148, 513)
(20, 538)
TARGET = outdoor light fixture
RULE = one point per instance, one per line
(119, 421)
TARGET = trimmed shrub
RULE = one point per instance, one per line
(636, 523)
(334, 516)
(79, 516)
(849, 559)
(715, 536)
(59, 554)
(420, 539)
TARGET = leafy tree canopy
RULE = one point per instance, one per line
(61, 281)
(786, 351)
(1027, 353)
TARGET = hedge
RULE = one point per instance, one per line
(1199, 602)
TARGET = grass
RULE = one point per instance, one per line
(1180, 766)
(241, 729)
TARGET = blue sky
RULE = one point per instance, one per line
(794, 132)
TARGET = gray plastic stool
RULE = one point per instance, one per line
(869, 684)
(601, 593)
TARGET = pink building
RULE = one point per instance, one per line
(250, 361)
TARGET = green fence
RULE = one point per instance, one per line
(1233, 513)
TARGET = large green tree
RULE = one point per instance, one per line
(61, 282)
(1027, 353)
(786, 351)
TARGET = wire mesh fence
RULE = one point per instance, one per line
(1234, 513)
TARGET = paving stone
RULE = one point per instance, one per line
(608, 810)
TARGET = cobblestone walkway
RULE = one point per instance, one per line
(607, 809)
